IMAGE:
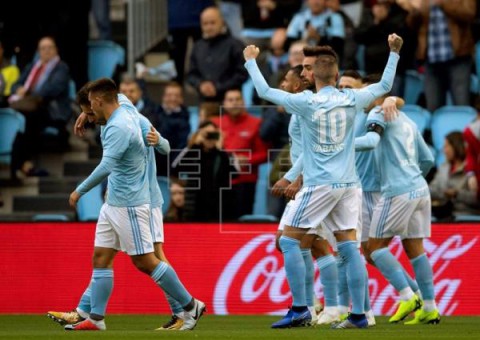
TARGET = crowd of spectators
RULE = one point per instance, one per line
(230, 142)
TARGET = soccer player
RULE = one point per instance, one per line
(329, 193)
(404, 209)
(124, 221)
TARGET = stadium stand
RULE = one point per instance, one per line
(11, 122)
(419, 115)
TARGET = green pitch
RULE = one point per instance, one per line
(232, 327)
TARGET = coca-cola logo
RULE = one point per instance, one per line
(254, 280)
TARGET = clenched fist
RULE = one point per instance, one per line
(251, 52)
(395, 42)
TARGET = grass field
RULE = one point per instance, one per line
(232, 327)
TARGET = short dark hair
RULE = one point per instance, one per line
(297, 70)
(207, 123)
(317, 51)
(352, 74)
(104, 87)
(372, 78)
(82, 95)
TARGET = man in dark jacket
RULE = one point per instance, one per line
(216, 63)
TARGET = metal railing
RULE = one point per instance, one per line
(147, 25)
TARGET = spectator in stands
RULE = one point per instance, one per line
(318, 25)
(207, 111)
(207, 169)
(175, 212)
(216, 63)
(449, 188)
(147, 107)
(183, 25)
(471, 135)
(445, 44)
(350, 46)
(232, 14)
(241, 136)
(9, 74)
(42, 95)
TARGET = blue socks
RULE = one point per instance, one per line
(84, 303)
(343, 294)
(391, 269)
(356, 274)
(309, 272)
(366, 305)
(329, 278)
(424, 276)
(295, 269)
(165, 277)
(411, 282)
(101, 288)
(175, 306)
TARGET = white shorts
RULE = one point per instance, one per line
(407, 215)
(125, 228)
(369, 201)
(156, 225)
(335, 205)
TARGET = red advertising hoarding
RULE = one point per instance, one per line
(234, 268)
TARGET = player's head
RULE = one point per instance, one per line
(370, 79)
(211, 22)
(292, 81)
(454, 147)
(325, 69)
(312, 53)
(102, 94)
(233, 103)
(84, 103)
(131, 89)
(350, 79)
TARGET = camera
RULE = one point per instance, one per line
(215, 135)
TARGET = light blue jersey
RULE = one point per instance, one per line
(295, 134)
(402, 155)
(162, 147)
(123, 161)
(365, 160)
(327, 120)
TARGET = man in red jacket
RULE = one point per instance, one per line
(472, 139)
(241, 137)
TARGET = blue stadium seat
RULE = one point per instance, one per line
(103, 58)
(194, 118)
(467, 218)
(164, 184)
(255, 110)
(248, 91)
(50, 218)
(419, 115)
(72, 90)
(360, 57)
(261, 189)
(477, 58)
(11, 122)
(448, 119)
(89, 205)
(258, 218)
(413, 86)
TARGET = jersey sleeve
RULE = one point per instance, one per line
(376, 117)
(295, 170)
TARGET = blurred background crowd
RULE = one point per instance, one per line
(184, 71)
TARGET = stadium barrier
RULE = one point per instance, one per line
(234, 268)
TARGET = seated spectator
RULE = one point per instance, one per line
(216, 62)
(207, 111)
(207, 170)
(318, 25)
(471, 134)
(242, 138)
(133, 91)
(8, 76)
(449, 188)
(175, 212)
(42, 95)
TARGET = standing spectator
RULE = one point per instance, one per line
(241, 137)
(8, 76)
(445, 44)
(472, 140)
(42, 95)
(208, 171)
(449, 188)
(216, 63)
(318, 25)
(232, 13)
(183, 24)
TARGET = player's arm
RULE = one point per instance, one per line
(375, 127)
(425, 157)
(291, 102)
(366, 95)
(295, 170)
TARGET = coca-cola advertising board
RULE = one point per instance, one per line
(234, 268)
